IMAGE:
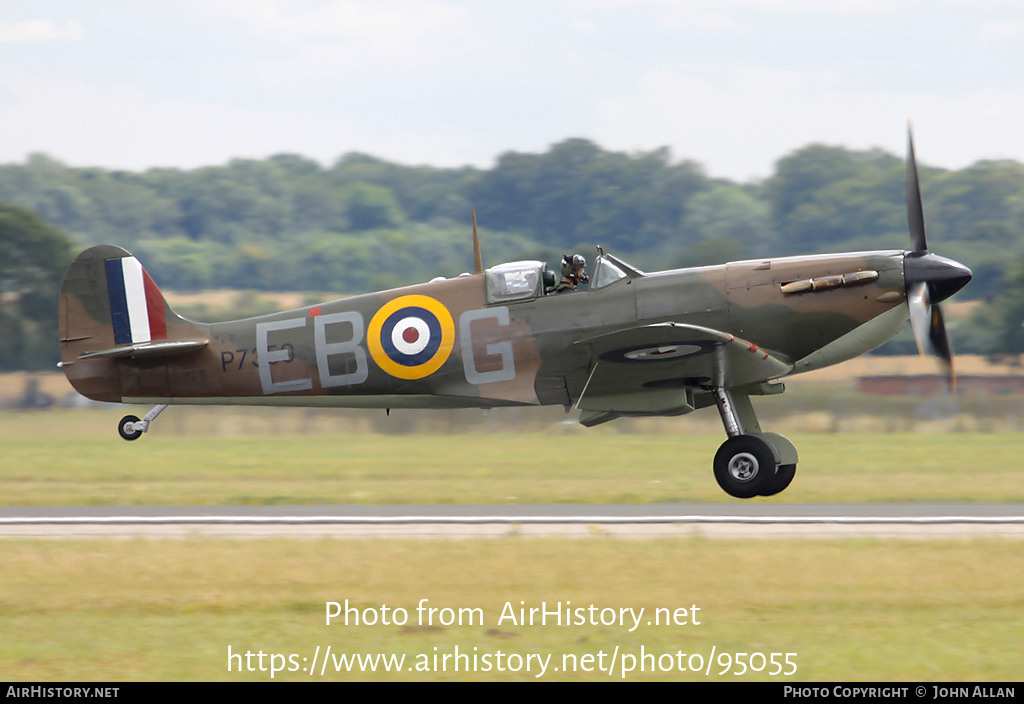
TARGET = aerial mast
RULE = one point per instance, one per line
(478, 266)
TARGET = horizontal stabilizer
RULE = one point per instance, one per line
(147, 349)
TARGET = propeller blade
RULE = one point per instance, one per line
(940, 343)
(930, 330)
(915, 210)
(920, 315)
(927, 275)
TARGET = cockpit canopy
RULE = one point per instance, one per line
(515, 281)
(525, 280)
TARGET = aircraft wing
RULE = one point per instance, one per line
(648, 369)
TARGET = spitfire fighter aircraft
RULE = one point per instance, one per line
(632, 344)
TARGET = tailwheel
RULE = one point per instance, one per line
(131, 428)
(128, 428)
(783, 477)
(745, 466)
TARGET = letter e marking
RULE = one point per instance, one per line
(264, 357)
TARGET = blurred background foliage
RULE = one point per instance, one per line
(288, 223)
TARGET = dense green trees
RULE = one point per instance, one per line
(254, 222)
(33, 257)
(363, 223)
(997, 329)
(577, 193)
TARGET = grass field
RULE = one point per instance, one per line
(852, 609)
(76, 458)
(849, 610)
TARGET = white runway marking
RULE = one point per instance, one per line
(599, 520)
(493, 526)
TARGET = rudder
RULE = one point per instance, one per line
(137, 308)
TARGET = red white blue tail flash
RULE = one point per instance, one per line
(136, 304)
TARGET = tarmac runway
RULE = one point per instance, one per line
(737, 521)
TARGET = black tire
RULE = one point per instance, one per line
(129, 434)
(745, 466)
(783, 477)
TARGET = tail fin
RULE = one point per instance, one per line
(111, 308)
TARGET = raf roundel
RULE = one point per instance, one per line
(411, 337)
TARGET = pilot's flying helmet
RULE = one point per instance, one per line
(573, 266)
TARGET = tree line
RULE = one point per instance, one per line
(363, 223)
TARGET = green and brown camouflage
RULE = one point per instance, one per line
(663, 343)
(498, 348)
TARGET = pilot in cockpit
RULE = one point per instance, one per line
(573, 273)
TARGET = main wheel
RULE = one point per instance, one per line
(127, 430)
(745, 466)
(783, 476)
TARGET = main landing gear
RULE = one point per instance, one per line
(131, 428)
(750, 463)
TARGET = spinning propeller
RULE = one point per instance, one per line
(929, 278)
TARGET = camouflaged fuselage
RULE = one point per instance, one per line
(442, 345)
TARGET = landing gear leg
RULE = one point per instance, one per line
(131, 428)
(750, 463)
